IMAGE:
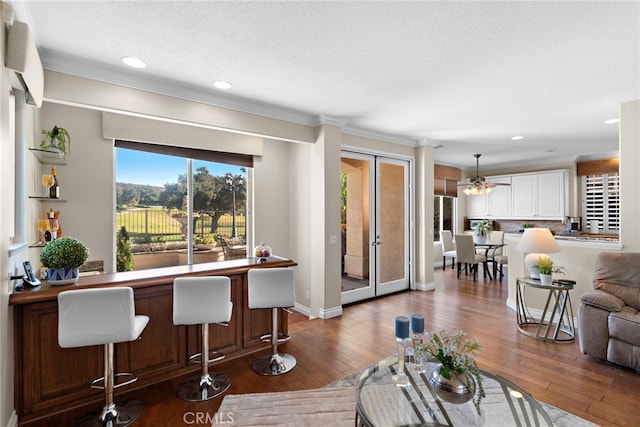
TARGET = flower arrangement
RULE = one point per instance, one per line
(456, 354)
(547, 266)
(483, 228)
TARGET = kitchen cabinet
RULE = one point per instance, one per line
(499, 200)
(541, 195)
(477, 207)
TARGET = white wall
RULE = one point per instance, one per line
(630, 175)
(86, 182)
(296, 184)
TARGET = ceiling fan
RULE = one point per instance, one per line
(477, 186)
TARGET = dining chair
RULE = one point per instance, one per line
(466, 252)
(448, 248)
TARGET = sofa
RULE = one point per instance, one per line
(609, 317)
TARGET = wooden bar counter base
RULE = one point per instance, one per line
(50, 379)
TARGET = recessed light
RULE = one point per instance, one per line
(611, 121)
(222, 84)
(517, 138)
(134, 62)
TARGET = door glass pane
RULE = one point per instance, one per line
(392, 222)
(355, 223)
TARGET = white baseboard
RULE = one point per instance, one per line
(303, 309)
(13, 420)
(534, 312)
(425, 286)
(330, 312)
(324, 313)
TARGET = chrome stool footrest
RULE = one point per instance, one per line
(99, 382)
(282, 338)
(197, 358)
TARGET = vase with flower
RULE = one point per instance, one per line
(456, 378)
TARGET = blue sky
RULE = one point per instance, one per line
(139, 167)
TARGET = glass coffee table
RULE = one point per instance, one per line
(379, 402)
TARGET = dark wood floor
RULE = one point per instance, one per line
(327, 350)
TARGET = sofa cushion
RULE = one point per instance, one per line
(603, 300)
(625, 326)
(618, 273)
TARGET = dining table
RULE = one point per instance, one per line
(489, 252)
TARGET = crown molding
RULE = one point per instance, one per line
(382, 136)
(67, 64)
(327, 119)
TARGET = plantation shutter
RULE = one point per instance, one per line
(601, 201)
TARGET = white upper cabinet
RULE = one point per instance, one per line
(524, 189)
(552, 195)
(540, 195)
(499, 200)
(477, 206)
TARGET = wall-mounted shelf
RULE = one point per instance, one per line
(49, 157)
(48, 199)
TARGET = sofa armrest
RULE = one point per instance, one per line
(602, 300)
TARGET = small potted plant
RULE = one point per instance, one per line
(457, 375)
(546, 268)
(482, 231)
(57, 140)
(63, 257)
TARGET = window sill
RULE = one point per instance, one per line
(16, 248)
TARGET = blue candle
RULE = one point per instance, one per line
(417, 323)
(402, 327)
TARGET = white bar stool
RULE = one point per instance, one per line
(200, 301)
(272, 288)
(103, 316)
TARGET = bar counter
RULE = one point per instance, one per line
(50, 379)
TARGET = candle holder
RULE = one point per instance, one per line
(417, 335)
(402, 337)
(400, 378)
(418, 360)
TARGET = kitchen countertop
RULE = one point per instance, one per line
(601, 241)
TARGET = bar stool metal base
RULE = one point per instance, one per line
(274, 364)
(203, 388)
(122, 414)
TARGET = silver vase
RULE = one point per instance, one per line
(459, 389)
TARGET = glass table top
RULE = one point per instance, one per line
(379, 402)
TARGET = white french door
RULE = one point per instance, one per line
(376, 226)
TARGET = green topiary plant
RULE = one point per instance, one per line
(65, 252)
(124, 255)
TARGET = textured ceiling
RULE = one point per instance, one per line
(466, 76)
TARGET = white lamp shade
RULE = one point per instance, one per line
(536, 242)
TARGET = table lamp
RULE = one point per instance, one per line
(537, 243)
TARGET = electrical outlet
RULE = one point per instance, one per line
(333, 240)
(307, 296)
